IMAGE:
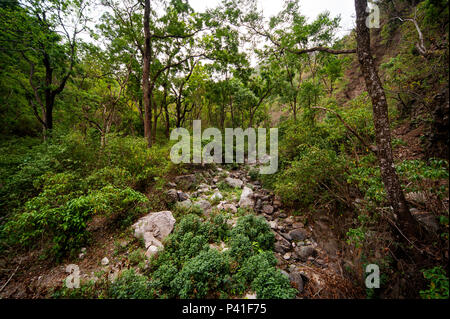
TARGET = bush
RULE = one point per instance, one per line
(272, 284)
(130, 285)
(438, 288)
(202, 275)
(307, 178)
(256, 229)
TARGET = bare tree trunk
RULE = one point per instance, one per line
(381, 121)
(146, 77)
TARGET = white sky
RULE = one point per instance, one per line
(310, 9)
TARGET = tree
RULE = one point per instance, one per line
(319, 34)
(381, 121)
(34, 32)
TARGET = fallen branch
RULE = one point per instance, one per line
(6, 283)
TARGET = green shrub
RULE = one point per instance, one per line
(307, 178)
(438, 288)
(130, 285)
(202, 275)
(256, 229)
(272, 284)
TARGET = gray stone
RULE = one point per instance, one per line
(296, 280)
(182, 196)
(246, 199)
(216, 196)
(152, 250)
(234, 182)
(171, 184)
(427, 219)
(297, 234)
(186, 204)
(172, 195)
(204, 204)
(279, 248)
(154, 227)
(304, 252)
(268, 209)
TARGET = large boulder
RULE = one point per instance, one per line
(246, 198)
(153, 228)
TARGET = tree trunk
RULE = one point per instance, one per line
(146, 77)
(381, 121)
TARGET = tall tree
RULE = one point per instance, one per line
(381, 121)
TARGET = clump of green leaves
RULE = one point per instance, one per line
(438, 287)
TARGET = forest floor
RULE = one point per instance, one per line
(307, 250)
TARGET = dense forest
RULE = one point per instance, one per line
(93, 206)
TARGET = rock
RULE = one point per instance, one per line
(105, 261)
(232, 222)
(231, 207)
(287, 256)
(186, 180)
(268, 209)
(296, 280)
(233, 182)
(298, 225)
(216, 196)
(273, 224)
(286, 236)
(186, 204)
(277, 203)
(417, 197)
(331, 247)
(246, 198)
(81, 255)
(204, 205)
(283, 215)
(152, 250)
(250, 295)
(282, 244)
(123, 243)
(427, 219)
(182, 196)
(154, 227)
(171, 184)
(258, 205)
(304, 252)
(172, 195)
(278, 247)
(297, 234)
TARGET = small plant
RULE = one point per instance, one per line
(438, 287)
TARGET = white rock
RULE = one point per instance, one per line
(233, 182)
(151, 251)
(246, 198)
(216, 195)
(105, 261)
(154, 227)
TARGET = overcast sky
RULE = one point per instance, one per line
(310, 8)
